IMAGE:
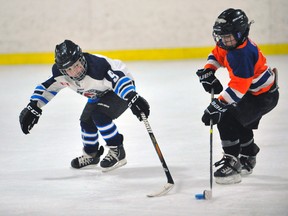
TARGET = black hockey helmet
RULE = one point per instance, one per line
(231, 21)
(66, 54)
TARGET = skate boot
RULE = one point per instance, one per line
(247, 163)
(248, 158)
(229, 173)
(87, 159)
(114, 159)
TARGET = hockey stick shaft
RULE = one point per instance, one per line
(211, 145)
(157, 148)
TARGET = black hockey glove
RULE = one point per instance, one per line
(214, 111)
(208, 79)
(29, 116)
(138, 105)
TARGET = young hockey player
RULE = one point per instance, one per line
(251, 93)
(110, 90)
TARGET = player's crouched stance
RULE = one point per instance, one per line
(251, 93)
(110, 90)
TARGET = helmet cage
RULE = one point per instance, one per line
(227, 42)
(80, 74)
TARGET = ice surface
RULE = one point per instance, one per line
(36, 178)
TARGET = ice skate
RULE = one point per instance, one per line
(248, 158)
(87, 159)
(229, 173)
(114, 159)
(247, 163)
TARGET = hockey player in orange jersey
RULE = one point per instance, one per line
(251, 93)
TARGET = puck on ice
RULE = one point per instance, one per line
(199, 196)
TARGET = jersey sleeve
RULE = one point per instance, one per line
(46, 91)
(240, 65)
(216, 58)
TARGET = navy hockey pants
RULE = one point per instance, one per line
(98, 117)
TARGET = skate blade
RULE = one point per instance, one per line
(117, 165)
(228, 180)
(167, 187)
(245, 172)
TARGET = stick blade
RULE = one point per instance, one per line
(207, 194)
(167, 187)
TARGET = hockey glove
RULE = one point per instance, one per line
(29, 116)
(214, 111)
(208, 79)
(138, 105)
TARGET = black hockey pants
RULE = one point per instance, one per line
(236, 126)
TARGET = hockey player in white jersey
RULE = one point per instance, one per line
(110, 90)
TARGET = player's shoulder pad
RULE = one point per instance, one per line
(97, 66)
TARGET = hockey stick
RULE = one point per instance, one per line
(207, 194)
(170, 183)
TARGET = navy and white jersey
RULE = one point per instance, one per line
(103, 74)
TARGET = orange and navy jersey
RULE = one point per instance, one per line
(248, 71)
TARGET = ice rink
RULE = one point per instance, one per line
(36, 178)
